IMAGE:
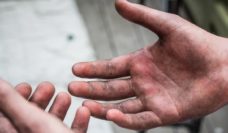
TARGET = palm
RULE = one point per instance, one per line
(166, 85)
(185, 71)
(172, 80)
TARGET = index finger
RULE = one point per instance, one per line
(114, 68)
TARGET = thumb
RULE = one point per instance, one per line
(157, 21)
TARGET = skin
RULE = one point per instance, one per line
(182, 76)
(27, 115)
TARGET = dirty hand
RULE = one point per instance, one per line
(22, 116)
(181, 76)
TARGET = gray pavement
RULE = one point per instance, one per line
(40, 41)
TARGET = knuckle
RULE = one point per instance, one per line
(92, 88)
(110, 68)
(108, 86)
(130, 85)
(109, 89)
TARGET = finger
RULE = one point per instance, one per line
(60, 105)
(26, 116)
(140, 121)
(43, 94)
(24, 89)
(99, 110)
(114, 68)
(106, 90)
(15, 107)
(81, 120)
(6, 126)
(157, 21)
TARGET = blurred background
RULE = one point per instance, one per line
(41, 39)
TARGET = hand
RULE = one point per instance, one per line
(181, 76)
(20, 116)
(41, 98)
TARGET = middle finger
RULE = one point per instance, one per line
(106, 90)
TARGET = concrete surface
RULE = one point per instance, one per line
(40, 40)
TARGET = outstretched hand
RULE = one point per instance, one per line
(181, 76)
(22, 116)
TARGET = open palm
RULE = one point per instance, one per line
(179, 77)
